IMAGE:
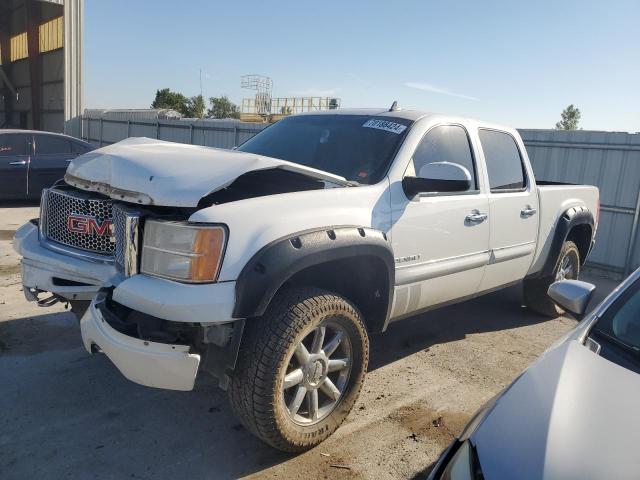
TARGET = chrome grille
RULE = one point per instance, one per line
(126, 231)
(61, 204)
(119, 221)
(119, 242)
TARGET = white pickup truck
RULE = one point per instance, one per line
(269, 266)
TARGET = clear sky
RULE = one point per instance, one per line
(512, 62)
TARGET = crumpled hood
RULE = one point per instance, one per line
(156, 172)
(571, 415)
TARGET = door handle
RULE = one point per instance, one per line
(476, 217)
(528, 211)
(69, 160)
(21, 162)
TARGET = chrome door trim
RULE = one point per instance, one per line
(406, 274)
(510, 252)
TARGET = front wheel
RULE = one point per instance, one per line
(300, 368)
(535, 290)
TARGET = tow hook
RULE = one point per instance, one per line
(49, 301)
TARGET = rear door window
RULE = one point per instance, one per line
(504, 162)
(52, 145)
(12, 144)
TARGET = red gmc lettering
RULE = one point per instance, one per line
(87, 225)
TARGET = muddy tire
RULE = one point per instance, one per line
(535, 290)
(300, 368)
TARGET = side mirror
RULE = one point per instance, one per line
(572, 295)
(438, 177)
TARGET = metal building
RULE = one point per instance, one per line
(41, 64)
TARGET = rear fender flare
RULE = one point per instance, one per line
(568, 220)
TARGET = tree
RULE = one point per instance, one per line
(195, 107)
(165, 98)
(222, 107)
(569, 118)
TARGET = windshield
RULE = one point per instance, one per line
(356, 147)
(618, 331)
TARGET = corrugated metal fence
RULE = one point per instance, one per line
(609, 160)
(212, 133)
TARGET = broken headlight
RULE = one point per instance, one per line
(183, 251)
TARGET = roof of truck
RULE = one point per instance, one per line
(378, 112)
(412, 115)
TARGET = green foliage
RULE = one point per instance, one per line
(195, 107)
(165, 98)
(569, 118)
(222, 107)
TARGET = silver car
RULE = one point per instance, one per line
(575, 412)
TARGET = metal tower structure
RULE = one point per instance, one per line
(263, 87)
(265, 108)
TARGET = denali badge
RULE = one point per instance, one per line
(87, 225)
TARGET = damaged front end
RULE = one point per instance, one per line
(145, 171)
(262, 183)
(160, 353)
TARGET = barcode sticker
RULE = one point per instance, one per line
(385, 125)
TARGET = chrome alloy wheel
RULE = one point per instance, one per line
(565, 272)
(317, 374)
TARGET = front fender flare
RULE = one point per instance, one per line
(278, 261)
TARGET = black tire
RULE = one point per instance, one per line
(257, 390)
(79, 307)
(535, 290)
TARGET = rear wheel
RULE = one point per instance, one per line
(535, 290)
(300, 368)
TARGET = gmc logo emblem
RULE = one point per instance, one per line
(86, 225)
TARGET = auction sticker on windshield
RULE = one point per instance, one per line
(385, 125)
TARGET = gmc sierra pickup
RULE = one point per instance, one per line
(269, 266)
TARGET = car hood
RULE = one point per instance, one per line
(155, 172)
(571, 415)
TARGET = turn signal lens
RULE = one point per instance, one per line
(182, 251)
(208, 247)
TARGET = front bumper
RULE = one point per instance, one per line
(64, 275)
(78, 279)
(148, 363)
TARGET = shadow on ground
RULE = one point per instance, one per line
(501, 310)
(65, 413)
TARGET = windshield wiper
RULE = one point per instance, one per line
(621, 343)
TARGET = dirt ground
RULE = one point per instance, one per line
(67, 414)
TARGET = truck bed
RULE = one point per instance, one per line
(554, 199)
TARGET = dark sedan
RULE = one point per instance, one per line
(33, 160)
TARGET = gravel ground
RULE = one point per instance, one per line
(66, 414)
